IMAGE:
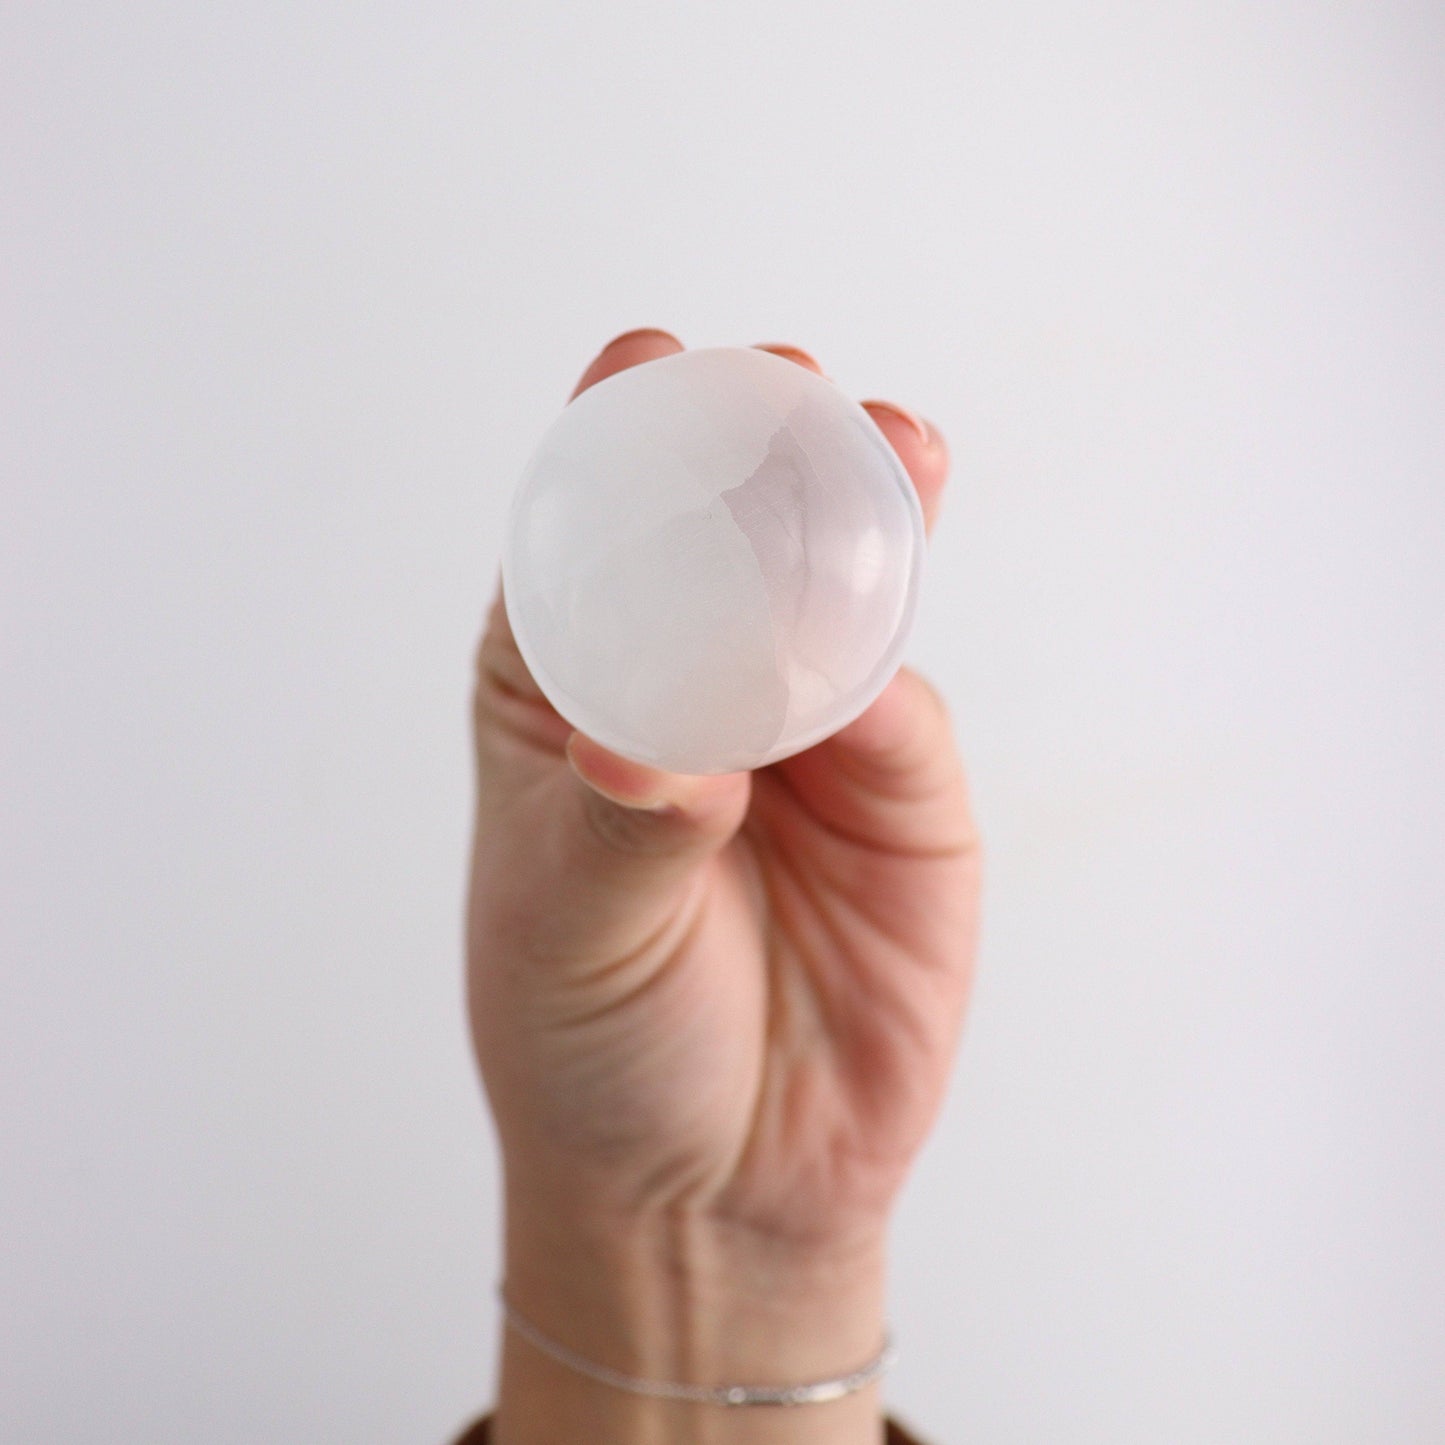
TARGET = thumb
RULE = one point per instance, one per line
(633, 840)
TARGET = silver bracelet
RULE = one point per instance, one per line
(814, 1393)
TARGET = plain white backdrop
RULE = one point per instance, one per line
(289, 294)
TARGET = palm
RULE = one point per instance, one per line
(770, 1034)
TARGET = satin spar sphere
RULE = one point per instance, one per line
(712, 561)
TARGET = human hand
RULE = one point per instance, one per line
(715, 1016)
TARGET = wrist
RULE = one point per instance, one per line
(681, 1297)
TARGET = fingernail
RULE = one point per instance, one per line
(620, 782)
(790, 353)
(640, 332)
(925, 432)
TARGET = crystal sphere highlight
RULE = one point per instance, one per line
(712, 561)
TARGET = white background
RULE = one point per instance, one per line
(289, 293)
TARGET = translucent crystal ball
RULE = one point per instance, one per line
(712, 561)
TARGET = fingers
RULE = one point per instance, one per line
(920, 448)
(791, 353)
(919, 445)
(902, 744)
(648, 343)
(892, 779)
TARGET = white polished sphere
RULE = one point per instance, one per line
(712, 561)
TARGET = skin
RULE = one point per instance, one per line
(715, 1018)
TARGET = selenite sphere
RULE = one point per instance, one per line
(712, 561)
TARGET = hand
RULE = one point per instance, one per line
(715, 1016)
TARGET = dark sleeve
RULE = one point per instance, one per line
(479, 1434)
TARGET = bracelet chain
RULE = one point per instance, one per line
(813, 1393)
